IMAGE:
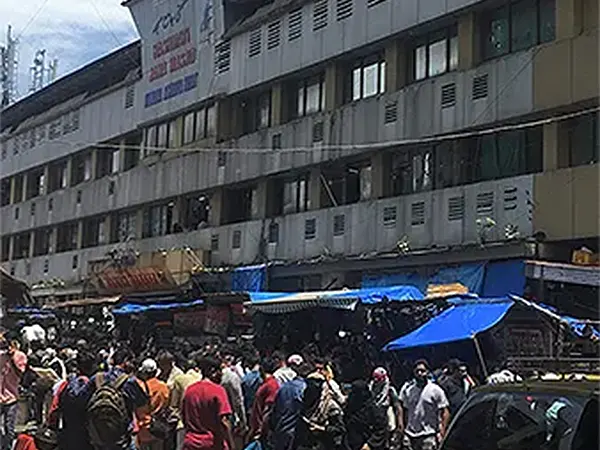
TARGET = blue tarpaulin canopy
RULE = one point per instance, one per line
(285, 302)
(462, 320)
(137, 308)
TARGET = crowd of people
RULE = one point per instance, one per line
(216, 396)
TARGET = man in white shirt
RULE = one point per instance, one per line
(425, 407)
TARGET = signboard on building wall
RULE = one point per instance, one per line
(177, 53)
(132, 279)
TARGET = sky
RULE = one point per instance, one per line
(73, 31)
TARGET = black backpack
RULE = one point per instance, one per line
(107, 415)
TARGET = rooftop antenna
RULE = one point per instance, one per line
(37, 71)
(8, 70)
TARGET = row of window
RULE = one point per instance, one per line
(63, 125)
(195, 125)
(410, 170)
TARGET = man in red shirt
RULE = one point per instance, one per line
(205, 410)
(12, 366)
(263, 400)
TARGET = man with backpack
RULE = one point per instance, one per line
(68, 411)
(113, 397)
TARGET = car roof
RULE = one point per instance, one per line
(581, 388)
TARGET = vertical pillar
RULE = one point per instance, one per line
(378, 175)
(46, 179)
(13, 193)
(69, 170)
(260, 200)
(314, 189)
(11, 247)
(122, 152)
(551, 147)
(53, 240)
(31, 244)
(276, 104)
(21, 196)
(94, 162)
(396, 65)
(468, 41)
(334, 86)
(569, 18)
(177, 215)
(216, 205)
(79, 234)
(139, 223)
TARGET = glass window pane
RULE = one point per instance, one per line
(420, 62)
(200, 124)
(523, 17)
(437, 57)
(496, 37)
(454, 53)
(582, 142)
(172, 134)
(356, 83)
(511, 155)
(382, 77)
(188, 128)
(300, 107)
(162, 135)
(488, 159)
(312, 98)
(547, 30)
(211, 120)
(264, 110)
(370, 80)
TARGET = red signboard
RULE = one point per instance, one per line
(133, 280)
(217, 320)
(189, 321)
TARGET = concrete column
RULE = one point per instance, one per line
(569, 18)
(229, 119)
(260, 200)
(550, 146)
(397, 59)
(177, 213)
(46, 179)
(314, 189)
(378, 175)
(468, 41)
(139, 223)
(21, 196)
(276, 104)
(31, 244)
(94, 162)
(334, 86)
(216, 205)
(11, 247)
(79, 234)
(69, 170)
(122, 151)
(53, 240)
(13, 194)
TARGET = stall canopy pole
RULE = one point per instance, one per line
(480, 355)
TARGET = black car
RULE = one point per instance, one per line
(560, 415)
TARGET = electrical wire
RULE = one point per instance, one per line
(31, 19)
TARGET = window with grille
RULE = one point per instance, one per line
(129, 97)
(276, 141)
(320, 14)
(480, 87)
(273, 34)
(485, 203)
(456, 208)
(448, 95)
(417, 213)
(389, 216)
(318, 132)
(310, 229)
(222, 159)
(214, 242)
(236, 240)
(339, 224)
(391, 112)
(273, 233)
(222, 57)
(295, 24)
(254, 42)
(343, 9)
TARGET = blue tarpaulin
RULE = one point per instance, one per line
(282, 302)
(137, 308)
(491, 279)
(462, 320)
(249, 278)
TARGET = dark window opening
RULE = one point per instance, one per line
(307, 96)
(57, 176)
(5, 248)
(256, 112)
(5, 192)
(236, 239)
(35, 184)
(517, 26)
(41, 242)
(237, 205)
(582, 140)
(123, 227)
(157, 220)
(18, 189)
(132, 151)
(273, 233)
(81, 169)
(66, 239)
(107, 162)
(345, 185)
(452, 164)
(93, 232)
(196, 212)
(21, 245)
(288, 196)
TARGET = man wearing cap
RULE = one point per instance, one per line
(287, 371)
(158, 392)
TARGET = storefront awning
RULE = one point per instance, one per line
(136, 308)
(463, 320)
(347, 299)
(81, 302)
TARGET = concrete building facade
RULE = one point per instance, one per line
(320, 135)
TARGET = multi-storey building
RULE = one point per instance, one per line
(348, 137)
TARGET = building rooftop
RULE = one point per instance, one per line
(94, 77)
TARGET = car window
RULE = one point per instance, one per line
(516, 421)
